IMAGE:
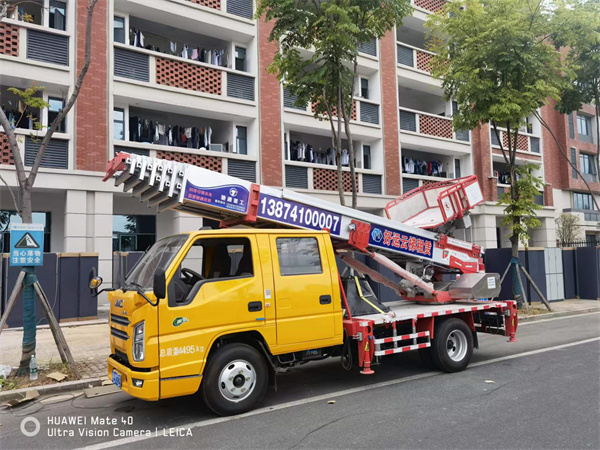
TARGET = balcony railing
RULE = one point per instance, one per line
(298, 176)
(363, 110)
(55, 157)
(242, 8)
(525, 141)
(40, 45)
(431, 6)
(135, 64)
(414, 57)
(430, 125)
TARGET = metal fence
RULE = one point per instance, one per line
(579, 243)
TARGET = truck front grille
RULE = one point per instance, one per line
(118, 333)
(119, 320)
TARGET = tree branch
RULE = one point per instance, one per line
(11, 193)
(63, 114)
(14, 147)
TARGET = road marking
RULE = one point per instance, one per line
(204, 423)
(533, 352)
(558, 318)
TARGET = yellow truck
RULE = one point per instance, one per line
(221, 312)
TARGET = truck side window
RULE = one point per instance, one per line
(298, 256)
(210, 260)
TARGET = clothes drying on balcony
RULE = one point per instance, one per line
(150, 132)
(214, 56)
(303, 152)
(421, 167)
(504, 176)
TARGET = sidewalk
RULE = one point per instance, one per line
(89, 344)
(563, 308)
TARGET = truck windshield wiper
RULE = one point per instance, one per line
(139, 290)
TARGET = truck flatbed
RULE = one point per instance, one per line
(403, 310)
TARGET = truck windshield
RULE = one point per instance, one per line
(159, 255)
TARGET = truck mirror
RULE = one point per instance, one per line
(160, 284)
(95, 283)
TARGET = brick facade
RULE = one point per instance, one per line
(482, 161)
(557, 171)
(389, 110)
(91, 108)
(270, 110)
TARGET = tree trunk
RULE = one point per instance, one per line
(338, 149)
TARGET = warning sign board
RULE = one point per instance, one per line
(26, 244)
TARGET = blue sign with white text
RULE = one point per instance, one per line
(26, 244)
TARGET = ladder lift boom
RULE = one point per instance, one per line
(407, 245)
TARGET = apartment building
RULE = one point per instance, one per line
(186, 80)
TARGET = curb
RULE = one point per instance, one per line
(557, 314)
(47, 389)
(73, 324)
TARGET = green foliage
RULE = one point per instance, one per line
(32, 101)
(577, 29)
(520, 212)
(494, 59)
(332, 31)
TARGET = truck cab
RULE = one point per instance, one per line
(209, 310)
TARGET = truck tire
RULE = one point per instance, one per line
(452, 347)
(235, 380)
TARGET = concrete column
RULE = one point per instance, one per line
(484, 230)
(75, 222)
(100, 229)
(545, 234)
(173, 222)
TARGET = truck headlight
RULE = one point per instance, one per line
(139, 341)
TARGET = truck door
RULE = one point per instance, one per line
(303, 290)
(216, 288)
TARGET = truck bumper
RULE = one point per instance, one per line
(150, 388)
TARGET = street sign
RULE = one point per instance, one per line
(27, 244)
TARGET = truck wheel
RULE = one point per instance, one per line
(452, 347)
(235, 380)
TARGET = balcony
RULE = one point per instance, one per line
(425, 131)
(223, 19)
(57, 153)
(325, 179)
(365, 114)
(423, 8)
(170, 79)
(23, 45)
(527, 144)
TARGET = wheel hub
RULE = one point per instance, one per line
(237, 380)
(456, 345)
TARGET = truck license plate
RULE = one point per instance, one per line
(116, 378)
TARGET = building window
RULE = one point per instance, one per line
(366, 156)
(241, 140)
(240, 59)
(119, 29)
(587, 164)
(364, 88)
(582, 201)
(571, 127)
(9, 217)
(119, 124)
(133, 233)
(457, 168)
(56, 106)
(574, 162)
(584, 128)
(57, 19)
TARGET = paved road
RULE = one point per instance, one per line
(541, 392)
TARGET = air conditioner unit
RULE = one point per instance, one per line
(216, 147)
